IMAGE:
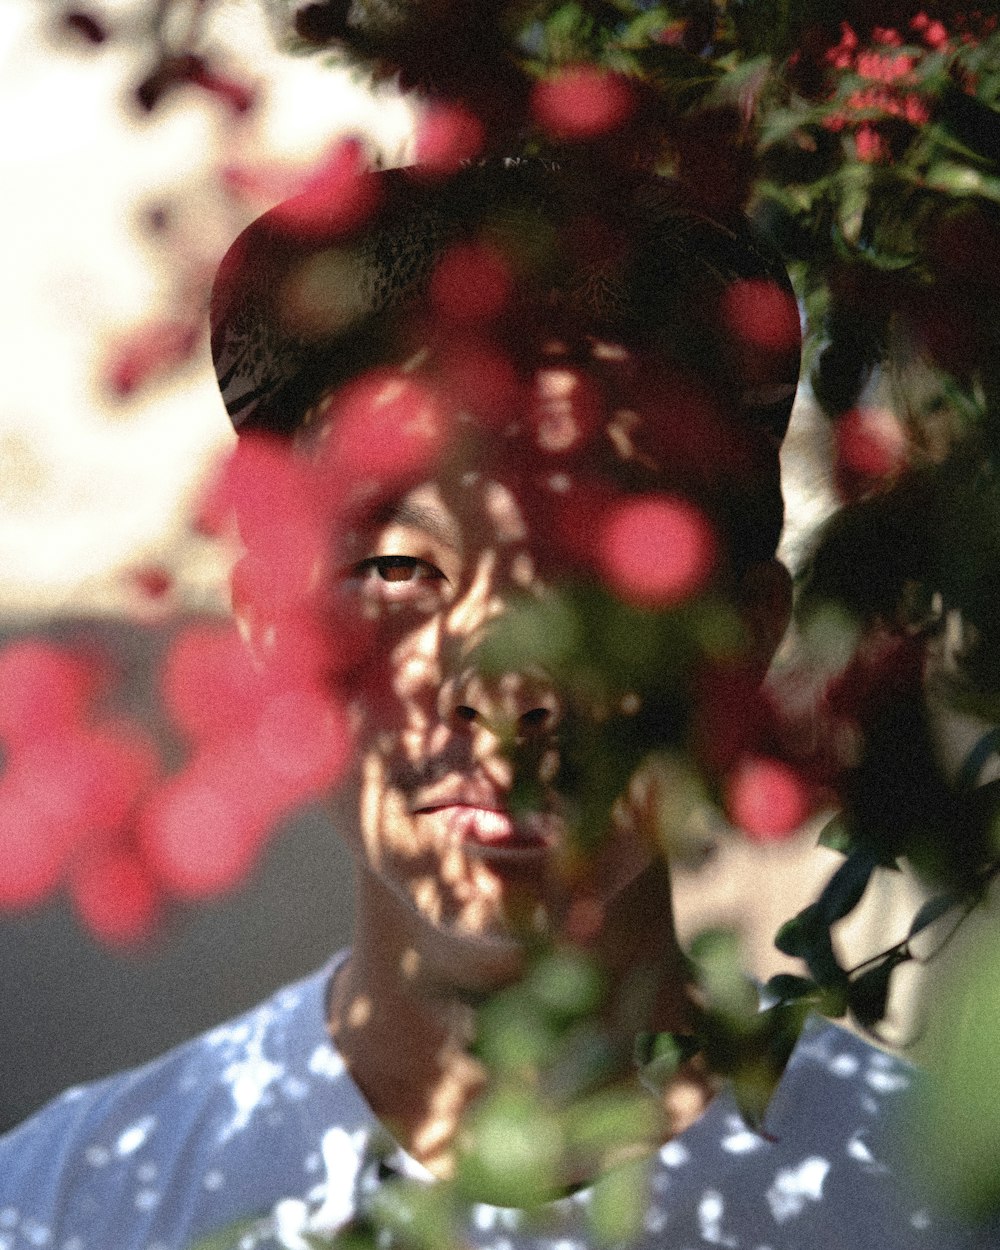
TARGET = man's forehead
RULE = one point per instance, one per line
(422, 508)
(445, 510)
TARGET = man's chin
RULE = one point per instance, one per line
(475, 962)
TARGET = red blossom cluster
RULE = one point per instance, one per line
(147, 354)
(262, 708)
(70, 788)
(741, 736)
(582, 102)
(264, 715)
(871, 451)
(85, 801)
(767, 799)
(448, 135)
(892, 93)
(657, 550)
(890, 60)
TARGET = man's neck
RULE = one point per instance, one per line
(404, 1029)
(403, 1032)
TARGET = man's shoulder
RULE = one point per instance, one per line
(831, 1170)
(189, 1142)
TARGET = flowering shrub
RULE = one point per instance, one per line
(866, 138)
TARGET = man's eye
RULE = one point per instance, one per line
(398, 569)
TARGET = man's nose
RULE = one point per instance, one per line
(511, 706)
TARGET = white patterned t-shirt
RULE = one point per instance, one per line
(257, 1127)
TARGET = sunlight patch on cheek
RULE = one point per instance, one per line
(471, 610)
(505, 515)
(426, 895)
(497, 768)
(548, 766)
(472, 886)
(355, 716)
(478, 895)
(385, 820)
(452, 867)
(409, 963)
(416, 674)
(522, 570)
(428, 744)
(370, 808)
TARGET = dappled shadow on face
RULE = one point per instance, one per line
(605, 471)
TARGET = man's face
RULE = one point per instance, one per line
(429, 810)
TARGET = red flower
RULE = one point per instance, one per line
(763, 314)
(149, 353)
(582, 102)
(841, 55)
(477, 377)
(44, 690)
(385, 428)
(115, 895)
(657, 550)
(767, 799)
(202, 831)
(68, 783)
(869, 144)
(448, 135)
(871, 450)
(337, 196)
(472, 282)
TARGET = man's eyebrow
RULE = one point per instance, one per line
(439, 525)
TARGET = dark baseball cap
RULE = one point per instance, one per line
(308, 296)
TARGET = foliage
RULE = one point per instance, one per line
(866, 138)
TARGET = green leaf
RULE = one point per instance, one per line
(567, 31)
(868, 994)
(645, 27)
(719, 973)
(844, 890)
(567, 983)
(618, 1203)
(582, 1059)
(514, 1032)
(659, 1055)
(229, 1238)
(743, 84)
(422, 1216)
(972, 122)
(509, 1151)
(956, 1134)
(541, 632)
(931, 911)
(357, 1235)
(807, 937)
(784, 987)
(608, 1122)
(753, 1087)
(796, 935)
(836, 835)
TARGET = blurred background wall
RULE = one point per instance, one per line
(108, 217)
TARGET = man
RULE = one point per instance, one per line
(566, 375)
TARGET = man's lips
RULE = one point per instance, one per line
(489, 829)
